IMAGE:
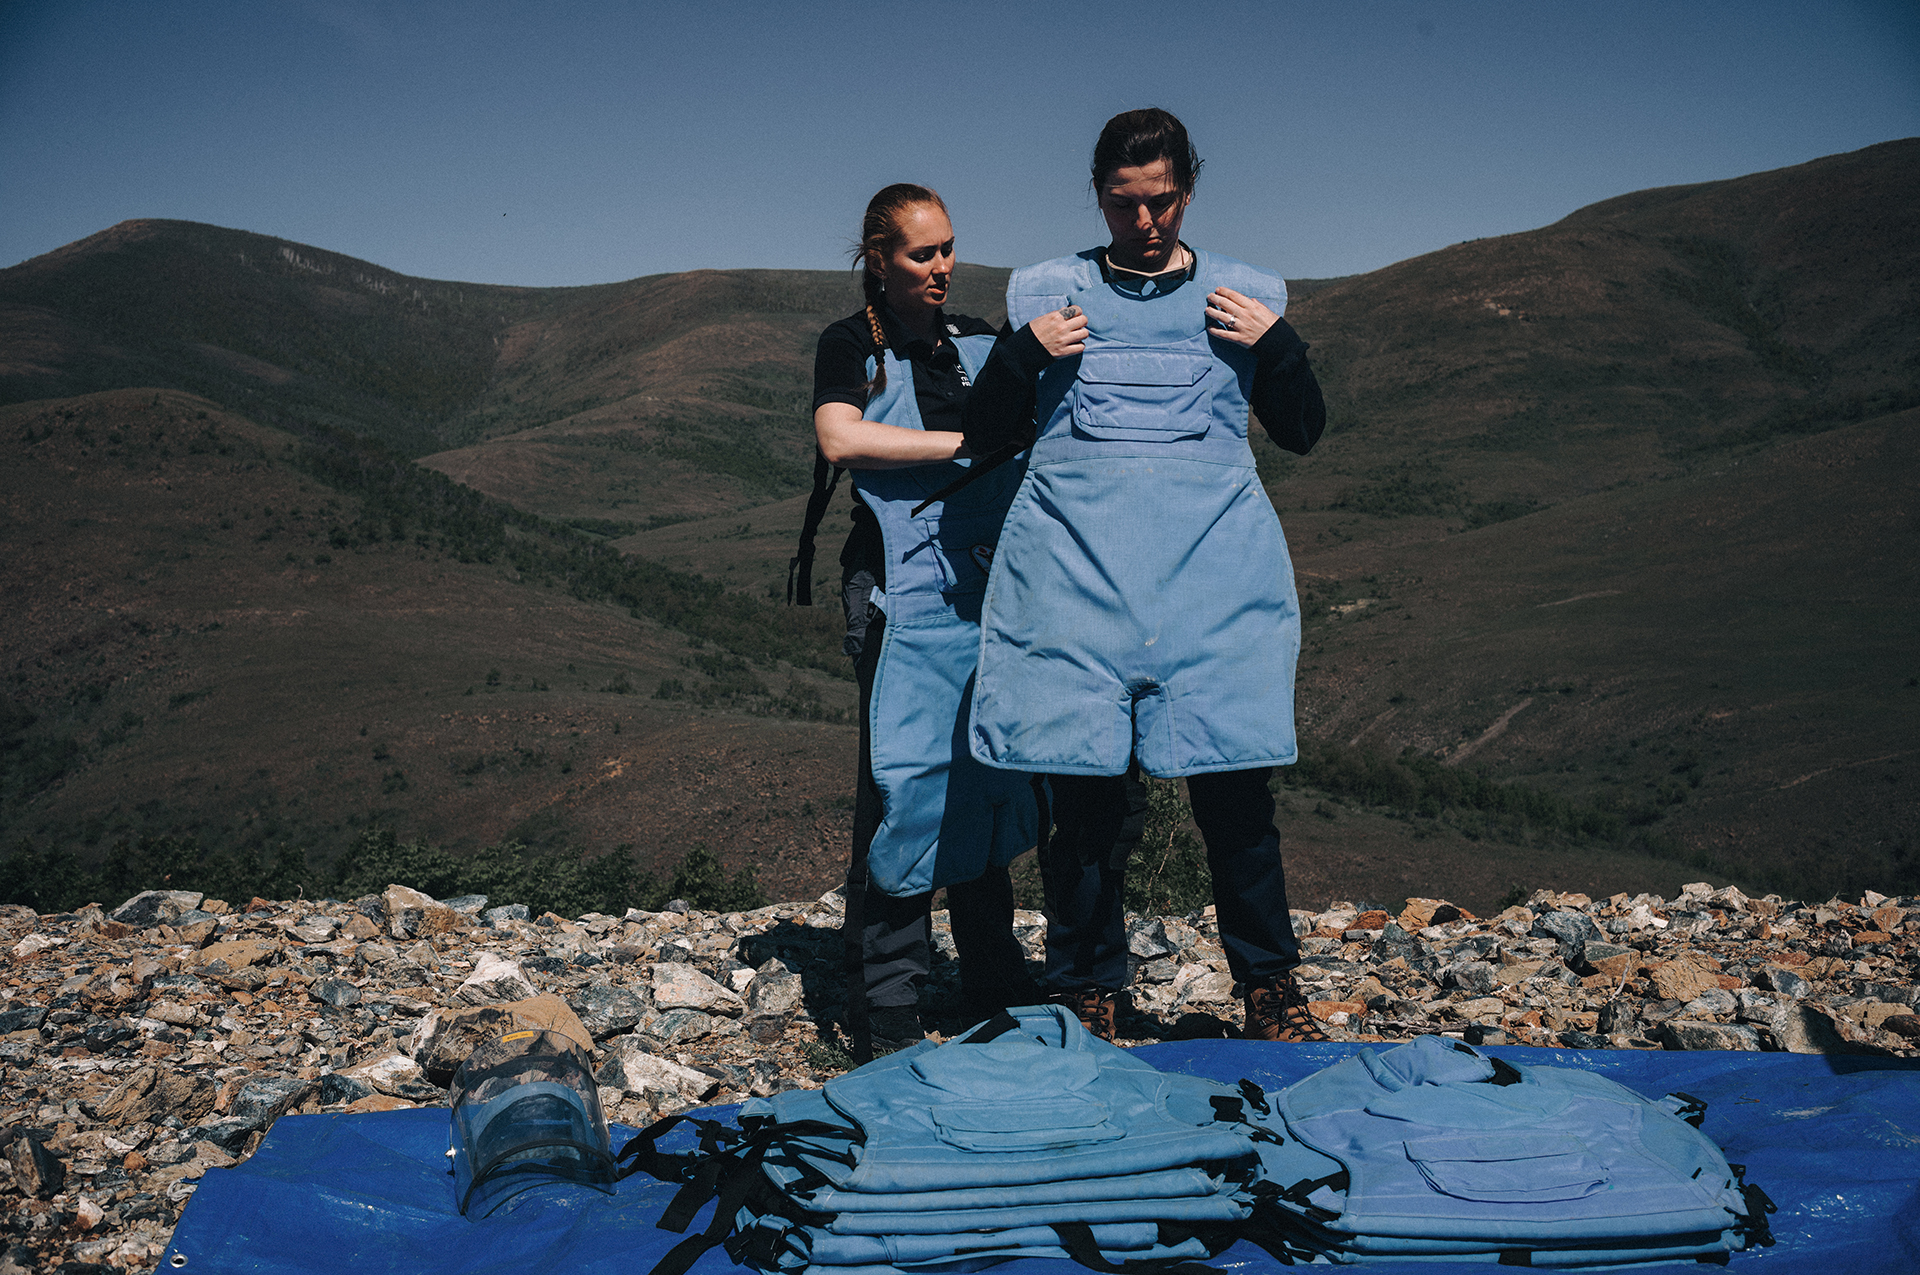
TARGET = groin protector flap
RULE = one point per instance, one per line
(1531, 1168)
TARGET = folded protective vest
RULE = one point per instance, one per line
(1142, 601)
(945, 818)
(1028, 1137)
(1432, 1149)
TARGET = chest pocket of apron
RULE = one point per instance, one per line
(1525, 1168)
(1061, 1121)
(1143, 394)
(961, 547)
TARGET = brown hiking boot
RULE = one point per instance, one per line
(1278, 1011)
(1097, 1010)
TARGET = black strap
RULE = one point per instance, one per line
(1077, 1239)
(1256, 1096)
(1504, 1073)
(730, 1175)
(1695, 1110)
(648, 1159)
(733, 1193)
(1045, 809)
(1230, 1110)
(801, 564)
(979, 469)
(1285, 1234)
(1297, 1194)
(1758, 1232)
(993, 1029)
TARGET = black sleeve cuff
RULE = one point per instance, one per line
(1025, 354)
(1280, 346)
(1000, 409)
(848, 397)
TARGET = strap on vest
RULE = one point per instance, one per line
(802, 561)
(1754, 1226)
(979, 469)
(1266, 1190)
(667, 1167)
(1689, 1108)
(1077, 1239)
(1505, 1073)
(993, 1029)
(1285, 1235)
(730, 1174)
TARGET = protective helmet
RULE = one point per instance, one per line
(526, 1113)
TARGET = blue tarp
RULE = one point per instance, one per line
(1835, 1141)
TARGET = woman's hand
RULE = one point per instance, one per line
(1237, 317)
(1062, 332)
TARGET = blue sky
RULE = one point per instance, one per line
(569, 143)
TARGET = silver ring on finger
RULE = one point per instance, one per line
(1229, 323)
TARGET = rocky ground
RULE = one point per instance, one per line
(141, 1047)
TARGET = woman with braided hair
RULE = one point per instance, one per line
(890, 382)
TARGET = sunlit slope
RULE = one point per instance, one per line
(205, 640)
(1536, 366)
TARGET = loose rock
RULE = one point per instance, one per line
(192, 1032)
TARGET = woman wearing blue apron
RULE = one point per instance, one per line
(890, 382)
(1141, 611)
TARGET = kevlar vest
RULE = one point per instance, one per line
(1432, 1149)
(1142, 601)
(945, 818)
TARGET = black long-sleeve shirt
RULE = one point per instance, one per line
(1285, 394)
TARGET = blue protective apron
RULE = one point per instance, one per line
(946, 818)
(1427, 1150)
(1142, 601)
(982, 1148)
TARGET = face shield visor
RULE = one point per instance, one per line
(526, 1113)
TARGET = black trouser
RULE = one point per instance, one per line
(1098, 822)
(894, 951)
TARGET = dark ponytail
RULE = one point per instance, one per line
(879, 229)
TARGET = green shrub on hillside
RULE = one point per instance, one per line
(1168, 874)
(1416, 785)
(559, 882)
(54, 879)
(399, 497)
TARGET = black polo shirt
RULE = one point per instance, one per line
(940, 388)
